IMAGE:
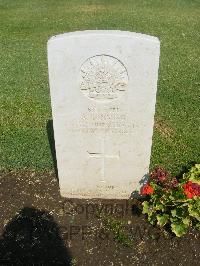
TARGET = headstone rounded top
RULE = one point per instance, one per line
(104, 32)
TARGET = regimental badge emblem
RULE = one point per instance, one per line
(103, 78)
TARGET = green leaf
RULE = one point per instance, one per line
(162, 219)
(146, 207)
(179, 229)
(171, 197)
(186, 221)
(172, 219)
(174, 213)
(194, 209)
(152, 218)
(159, 207)
(194, 174)
(197, 226)
(179, 212)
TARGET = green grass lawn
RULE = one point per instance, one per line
(25, 27)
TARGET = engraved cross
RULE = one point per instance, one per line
(102, 155)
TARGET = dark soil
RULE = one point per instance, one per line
(38, 226)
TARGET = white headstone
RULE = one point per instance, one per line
(103, 94)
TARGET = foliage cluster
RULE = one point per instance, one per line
(173, 202)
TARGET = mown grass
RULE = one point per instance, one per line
(25, 27)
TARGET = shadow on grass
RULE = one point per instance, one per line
(51, 139)
(32, 237)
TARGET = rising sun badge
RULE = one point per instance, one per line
(103, 78)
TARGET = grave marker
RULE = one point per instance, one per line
(103, 95)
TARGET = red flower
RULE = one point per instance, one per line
(146, 190)
(191, 189)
